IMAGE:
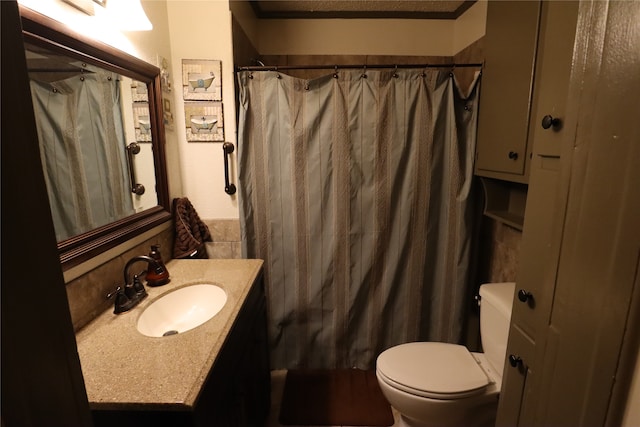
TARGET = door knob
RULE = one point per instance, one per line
(524, 296)
(514, 360)
(550, 121)
(513, 155)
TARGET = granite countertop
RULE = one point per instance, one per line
(124, 369)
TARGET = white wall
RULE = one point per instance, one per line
(202, 30)
(92, 26)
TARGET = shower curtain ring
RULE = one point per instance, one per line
(395, 72)
(364, 72)
(335, 72)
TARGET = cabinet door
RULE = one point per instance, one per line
(518, 372)
(536, 273)
(536, 276)
(505, 100)
(553, 69)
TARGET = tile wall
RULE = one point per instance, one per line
(499, 251)
(225, 234)
(87, 294)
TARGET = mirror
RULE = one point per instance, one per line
(100, 128)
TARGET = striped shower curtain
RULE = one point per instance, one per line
(82, 144)
(355, 188)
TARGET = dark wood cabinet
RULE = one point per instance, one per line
(237, 391)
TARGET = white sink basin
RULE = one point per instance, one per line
(182, 310)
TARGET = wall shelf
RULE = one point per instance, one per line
(505, 201)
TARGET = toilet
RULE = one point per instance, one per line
(440, 384)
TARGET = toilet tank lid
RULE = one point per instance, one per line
(500, 295)
(432, 369)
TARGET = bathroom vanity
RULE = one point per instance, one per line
(214, 374)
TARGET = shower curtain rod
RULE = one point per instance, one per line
(354, 67)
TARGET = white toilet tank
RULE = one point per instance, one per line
(496, 301)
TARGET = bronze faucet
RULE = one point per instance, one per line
(128, 297)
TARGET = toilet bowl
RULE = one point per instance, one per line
(441, 384)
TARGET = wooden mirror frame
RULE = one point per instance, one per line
(42, 31)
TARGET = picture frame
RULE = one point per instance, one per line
(139, 91)
(141, 121)
(201, 80)
(204, 121)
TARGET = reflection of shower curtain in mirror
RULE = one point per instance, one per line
(357, 194)
(82, 143)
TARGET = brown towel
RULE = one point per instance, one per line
(190, 231)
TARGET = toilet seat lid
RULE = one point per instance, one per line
(432, 369)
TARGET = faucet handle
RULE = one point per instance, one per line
(122, 302)
(115, 292)
(139, 287)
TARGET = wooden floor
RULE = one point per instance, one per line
(277, 387)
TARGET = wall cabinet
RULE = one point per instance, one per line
(529, 49)
(238, 388)
(506, 96)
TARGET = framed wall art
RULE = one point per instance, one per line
(141, 121)
(139, 91)
(202, 80)
(204, 121)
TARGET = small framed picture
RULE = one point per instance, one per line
(141, 121)
(201, 80)
(204, 121)
(139, 91)
(167, 114)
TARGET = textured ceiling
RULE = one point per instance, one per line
(302, 9)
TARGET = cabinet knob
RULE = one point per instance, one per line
(514, 360)
(513, 155)
(550, 121)
(524, 296)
